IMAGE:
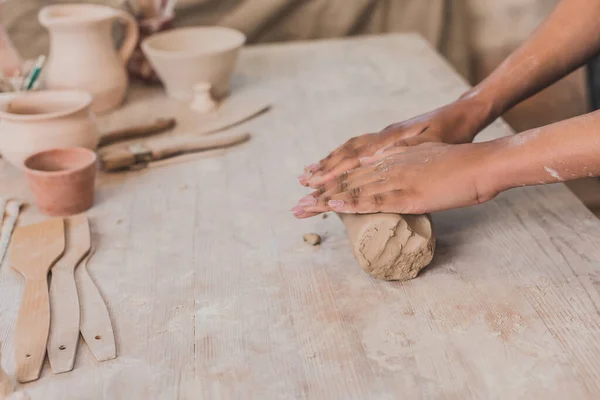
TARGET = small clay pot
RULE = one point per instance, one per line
(62, 180)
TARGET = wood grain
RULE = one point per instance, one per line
(64, 301)
(213, 293)
(34, 249)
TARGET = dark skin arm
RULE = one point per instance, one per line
(569, 36)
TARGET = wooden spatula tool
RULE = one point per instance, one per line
(95, 324)
(34, 249)
(64, 301)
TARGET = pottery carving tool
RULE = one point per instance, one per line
(135, 132)
(34, 249)
(64, 301)
(13, 207)
(95, 325)
(140, 154)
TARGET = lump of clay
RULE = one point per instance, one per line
(390, 246)
(312, 238)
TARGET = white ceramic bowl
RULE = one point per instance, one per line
(184, 57)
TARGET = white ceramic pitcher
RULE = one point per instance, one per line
(82, 52)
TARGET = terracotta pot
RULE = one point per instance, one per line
(62, 180)
(34, 121)
(185, 57)
(82, 53)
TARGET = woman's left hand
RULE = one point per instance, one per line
(408, 180)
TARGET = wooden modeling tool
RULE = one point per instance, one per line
(64, 301)
(12, 209)
(34, 249)
(135, 132)
(95, 324)
(139, 155)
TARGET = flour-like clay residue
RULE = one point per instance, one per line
(553, 173)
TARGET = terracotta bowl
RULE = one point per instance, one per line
(184, 57)
(62, 180)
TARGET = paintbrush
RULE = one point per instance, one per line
(31, 79)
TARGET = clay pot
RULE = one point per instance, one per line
(62, 180)
(185, 57)
(82, 52)
(35, 121)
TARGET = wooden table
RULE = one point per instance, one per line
(213, 293)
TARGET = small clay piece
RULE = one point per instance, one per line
(390, 246)
(312, 238)
(62, 180)
(203, 101)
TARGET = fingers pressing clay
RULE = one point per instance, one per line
(390, 246)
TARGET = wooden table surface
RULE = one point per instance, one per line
(213, 293)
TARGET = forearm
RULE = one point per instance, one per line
(569, 36)
(559, 152)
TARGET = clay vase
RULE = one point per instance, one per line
(82, 53)
(185, 57)
(62, 180)
(34, 121)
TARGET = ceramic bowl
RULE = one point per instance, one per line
(35, 121)
(185, 57)
(62, 180)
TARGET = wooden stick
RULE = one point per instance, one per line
(134, 132)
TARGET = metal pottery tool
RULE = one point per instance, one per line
(64, 301)
(95, 325)
(33, 321)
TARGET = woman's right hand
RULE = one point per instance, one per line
(455, 123)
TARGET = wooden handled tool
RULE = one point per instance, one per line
(139, 154)
(135, 132)
(95, 324)
(64, 301)
(34, 249)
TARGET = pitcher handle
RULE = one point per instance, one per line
(131, 35)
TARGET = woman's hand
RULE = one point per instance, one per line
(457, 122)
(409, 180)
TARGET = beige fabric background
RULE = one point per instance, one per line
(439, 21)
